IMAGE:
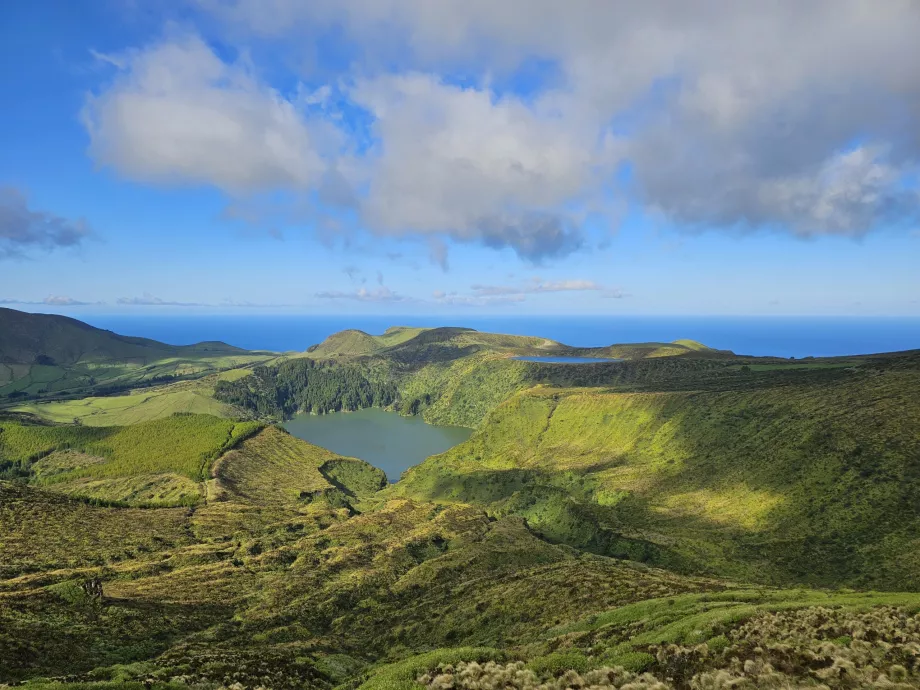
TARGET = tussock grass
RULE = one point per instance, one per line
(158, 460)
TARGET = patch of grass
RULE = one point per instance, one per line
(274, 468)
(161, 458)
(402, 674)
(190, 397)
(44, 530)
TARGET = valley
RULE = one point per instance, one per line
(680, 517)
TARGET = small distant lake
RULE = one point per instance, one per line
(384, 439)
(569, 360)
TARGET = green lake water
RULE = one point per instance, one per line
(384, 439)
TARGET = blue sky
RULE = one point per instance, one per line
(402, 156)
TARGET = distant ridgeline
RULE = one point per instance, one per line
(635, 523)
(450, 375)
(48, 356)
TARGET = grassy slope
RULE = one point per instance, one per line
(168, 572)
(44, 355)
(289, 470)
(352, 342)
(780, 483)
(300, 595)
(45, 531)
(159, 460)
(273, 581)
(801, 632)
(141, 405)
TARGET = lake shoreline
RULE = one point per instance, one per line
(383, 438)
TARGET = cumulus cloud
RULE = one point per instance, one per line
(148, 300)
(467, 163)
(380, 294)
(176, 112)
(791, 116)
(22, 228)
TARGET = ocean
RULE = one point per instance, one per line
(778, 336)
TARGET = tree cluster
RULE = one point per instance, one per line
(303, 385)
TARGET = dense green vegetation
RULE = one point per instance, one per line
(308, 386)
(778, 484)
(661, 522)
(165, 450)
(139, 405)
(44, 356)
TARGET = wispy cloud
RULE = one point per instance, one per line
(50, 300)
(490, 295)
(381, 294)
(229, 302)
(62, 301)
(536, 286)
(461, 300)
(148, 300)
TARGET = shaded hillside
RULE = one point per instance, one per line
(44, 354)
(780, 482)
(64, 341)
(301, 595)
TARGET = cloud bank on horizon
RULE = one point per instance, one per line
(510, 124)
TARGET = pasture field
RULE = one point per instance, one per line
(139, 405)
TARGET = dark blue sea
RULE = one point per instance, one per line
(777, 336)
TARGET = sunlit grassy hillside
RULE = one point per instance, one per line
(162, 460)
(780, 484)
(140, 405)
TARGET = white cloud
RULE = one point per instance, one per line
(51, 300)
(177, 113)
(62, 301)
(782, 115)
(488, 295)
(475, 300)
(468, 163)
(730, 114)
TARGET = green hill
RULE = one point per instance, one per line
(44, 355)
(665, 521)
(160, 461)
(355, 343)
(775, 482)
